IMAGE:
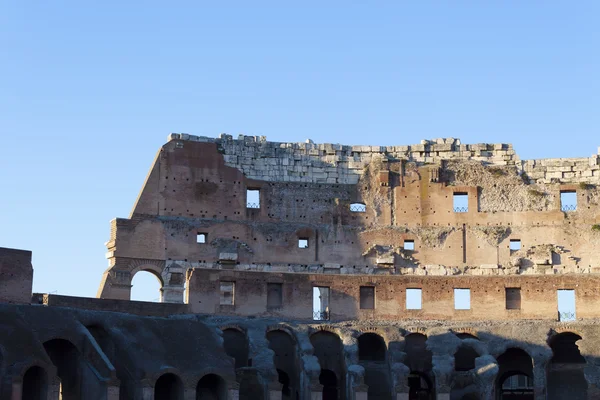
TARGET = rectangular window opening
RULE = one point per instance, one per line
(460, 202)
(409, 245)
(367, 298)
(515, 245)
(303, 243)
(252, 198)
(201, 237)
(513, 298)
(274, 295)
(568, 200)
(462, 299)
(413, 299)
(320, 303)
(358, 207)
(566, 305)
(227, 290)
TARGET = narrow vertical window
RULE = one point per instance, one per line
(413, 299)
(566, 305)
(320, 303)
(460, 202)
(274, 295)
(367, 297)
(513, 298)
(568, 200)
(462, 299)
(252, 198)
(227, 293)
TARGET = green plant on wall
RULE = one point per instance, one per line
(596, 227)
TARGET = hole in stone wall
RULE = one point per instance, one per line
(252, 198)
(227, 293)
(513, 298)
(358, 207)
(413, 299)
(367, 297)
(320, 303)
(201, 237)
(460, 202)
(274, 295)
(515, 244)
(409, 245)
(568, 200)
(303, 243)
(566, 305)
(462, 299)
(145, 286)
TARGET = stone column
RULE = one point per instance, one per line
(174, 284)
(17, 391)
(233, 394)
(443, 367)
(275, 391)
(147, 393)
(401, 396)
(486, 370)
(539, 379)
(112, 392)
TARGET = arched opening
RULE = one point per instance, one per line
(465, 335)
(168, 387)
(371, 347)
(418, 357)
(515, 375)
(328, 379)
(35, 384)
(464, 358)
(67, 360)
(372, 355)
(419, 387)
(146, 286)
(236, 346)
(211, 387)
(565, 373)
(251, 385)
(286, 362)
(329, 350)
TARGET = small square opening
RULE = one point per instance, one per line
(460, 202)
(413, 299)
(252, 198)
(515, 245)
(568, 200)
(462, 299)
(513, 298)
(201, 237)
(303, 243)
(367, 297)
(409, 245)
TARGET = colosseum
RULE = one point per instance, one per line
(307, 271)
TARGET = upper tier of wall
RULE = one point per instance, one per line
(335, 163)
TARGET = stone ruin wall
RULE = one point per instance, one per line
(335, 163)
(198, 184)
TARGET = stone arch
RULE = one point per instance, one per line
(466, 335)
(211, 387)
(566, 377)
(464, 358)
(35, 383)
(371, 347)
(419, 359)
(235, 343)
(146, 271)
(329, 350)
(515, 374)
(68, 360)
(168, 387)
(286, 362)
(372, 355)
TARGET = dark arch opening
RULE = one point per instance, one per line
(211, 387)
(371, 347)
(329, 350)
(286, 361)
(146, 286)
(419, 387)
(418, 357)
(66, 359)
(464, 335)
(168, 387)
(464, 358)
(35, 384)
(515, 375)
(566, 378)
(328, 379)
(236, 346)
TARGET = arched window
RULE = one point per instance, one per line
(236, 346)
(464, 358)
(35, 384)
(68, 363)
(146, 286)
(211, 387)
(285, 360)
(168, 387)
(371, 347)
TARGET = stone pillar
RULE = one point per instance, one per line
(147, 393)
(361, 395)
(316, 391)
(17, 391)
(539, 380)
(112, 392)
(401, 396)
(486, 370)
(443, 368)
(174, 284)
(189, 394)
(233, 394)
(274, 394)
(443, 396)
(54, 391)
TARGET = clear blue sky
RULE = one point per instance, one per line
(90, 90)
